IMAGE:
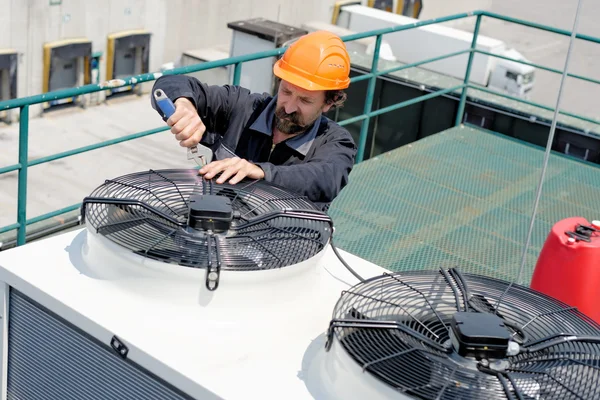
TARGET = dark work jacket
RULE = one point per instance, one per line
(315, 164)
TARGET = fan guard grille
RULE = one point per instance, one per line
(147, 212)
(396, 327)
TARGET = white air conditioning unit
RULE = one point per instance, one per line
(181, 288)
(254, 36)
(214, 76)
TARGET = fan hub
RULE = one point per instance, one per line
(210, 212)
(479, 335)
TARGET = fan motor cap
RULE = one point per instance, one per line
(210, 212)
(479, 335)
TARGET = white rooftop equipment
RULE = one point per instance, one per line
(257, 35)
(212, 76)
(431, 41)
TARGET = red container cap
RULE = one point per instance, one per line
(568, 267)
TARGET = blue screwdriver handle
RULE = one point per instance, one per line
(164, 103)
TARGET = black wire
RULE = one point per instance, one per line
(464, 289)
(557, 339)
(360, 278)
(448, 279)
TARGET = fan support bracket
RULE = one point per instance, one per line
(213, 270)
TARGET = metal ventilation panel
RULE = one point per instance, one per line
(447, 335)
(49, 358)
(170, 216)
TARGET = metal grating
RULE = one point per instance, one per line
(50, 359)
(462, 197)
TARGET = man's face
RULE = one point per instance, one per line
(298, 108)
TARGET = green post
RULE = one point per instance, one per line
(22, 183)
(463, 96)
(237, 73)
(368, 103)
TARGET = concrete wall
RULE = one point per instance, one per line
(176, 26)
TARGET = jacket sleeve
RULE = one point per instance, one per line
(321, 177)
(215, 104)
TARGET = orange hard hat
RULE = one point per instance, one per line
(316, 61)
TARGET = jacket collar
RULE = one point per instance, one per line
(264, 124)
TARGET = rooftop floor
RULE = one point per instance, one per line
(462, 197)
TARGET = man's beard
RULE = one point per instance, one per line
(288, 123)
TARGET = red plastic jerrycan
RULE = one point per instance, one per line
(568, 267)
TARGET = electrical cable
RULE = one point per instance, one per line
(360, 278)
(546, 156)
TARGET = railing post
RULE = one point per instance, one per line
(22, 183)
(463, 96)
(237, 73)
(368, 103)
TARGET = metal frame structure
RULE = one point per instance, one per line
(24, 103)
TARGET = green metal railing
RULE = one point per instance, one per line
(24, 103)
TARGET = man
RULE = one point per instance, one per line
(284, 139)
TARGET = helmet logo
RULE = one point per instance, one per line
(336, 65)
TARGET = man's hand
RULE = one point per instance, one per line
(236, 167)
(186, 124)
